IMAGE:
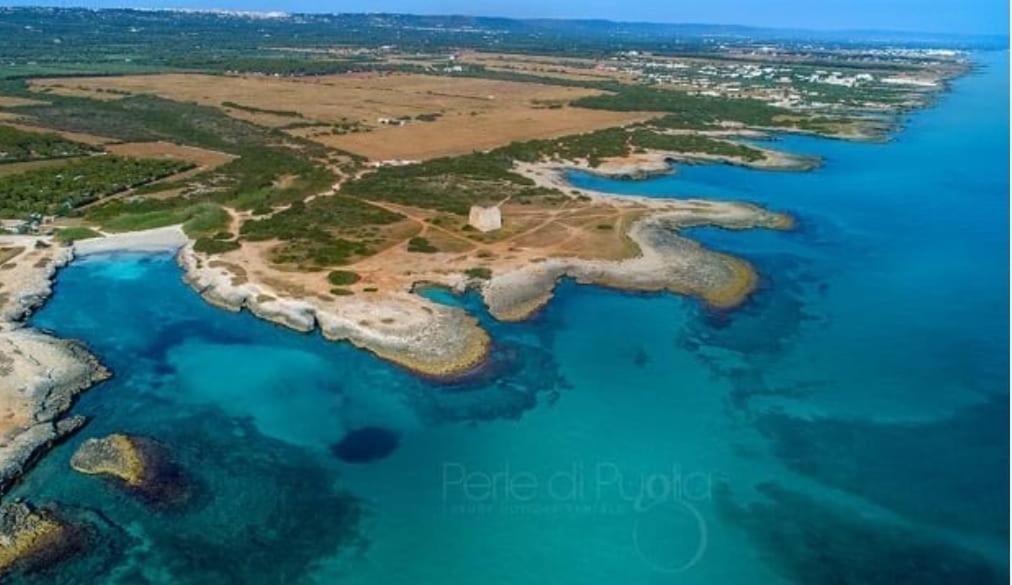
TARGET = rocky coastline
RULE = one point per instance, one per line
(40, 378)
(40, 375)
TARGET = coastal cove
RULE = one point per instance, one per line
(872, 357)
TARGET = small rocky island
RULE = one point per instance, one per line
(137, 465)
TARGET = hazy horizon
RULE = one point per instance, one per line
(978, 17)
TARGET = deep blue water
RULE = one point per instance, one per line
(848, 425)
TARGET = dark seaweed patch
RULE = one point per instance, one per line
(814, 543)
(366, 444)
(947, 472)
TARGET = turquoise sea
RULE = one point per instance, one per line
(849, 424)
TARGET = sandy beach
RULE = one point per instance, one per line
(166, 239)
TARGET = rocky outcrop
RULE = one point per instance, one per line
(26, 275)
(41, 377)
(34, 539)
(137, 465)
(432, 340)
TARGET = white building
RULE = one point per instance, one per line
(485, 219)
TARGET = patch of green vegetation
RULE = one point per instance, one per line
(327, 231)
(324, 213)
(592, 146)
(691, 143)
(59, 190)
(73, 234)
(690, 109)
(198, 219)
(450, 184)
(343, 277)
(421, 245)
(148, 118)
(20, 146)
(204, 219)
(341, 292)
(142, 118)
(255, 110)
(479, 272)
(214, 246)
(273, 65)
(251, 181)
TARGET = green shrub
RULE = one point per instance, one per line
(421, 245)
(343, 277)
(479, 272)
(72, 234)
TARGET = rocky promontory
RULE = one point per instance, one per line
(41, 377)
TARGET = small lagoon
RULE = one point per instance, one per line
(847, 425)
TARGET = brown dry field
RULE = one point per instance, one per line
(461, 133)
(32, 165)
(7, 101)
(476, 114)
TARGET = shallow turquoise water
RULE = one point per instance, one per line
(848, 425)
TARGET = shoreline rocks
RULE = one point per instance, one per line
(27, 275)
(42, 377)
(34, 539)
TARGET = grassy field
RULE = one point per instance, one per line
(198, 218)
